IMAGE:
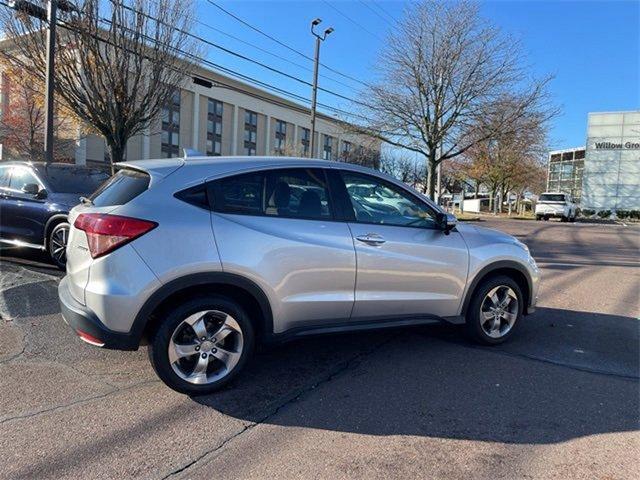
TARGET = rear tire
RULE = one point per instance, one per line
(202, 344)
(57, 244)
(490, 322)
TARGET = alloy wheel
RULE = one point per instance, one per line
(59, 239)
(499, 311)
(205, 347)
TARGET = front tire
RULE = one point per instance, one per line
(202, 345)
(494, 311)
(57, 244)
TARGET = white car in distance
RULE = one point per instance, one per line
(556, 204)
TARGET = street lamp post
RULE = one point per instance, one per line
(314, 93)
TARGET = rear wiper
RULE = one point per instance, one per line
(86, 201)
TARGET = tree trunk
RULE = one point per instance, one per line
(117, 152)
(432, 169)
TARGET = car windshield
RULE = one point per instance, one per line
(73, 180)
(552, 197)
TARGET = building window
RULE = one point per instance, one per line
(214, 127)
(171, 127)
(250, 132)
(306, 141)
(281, 137)
(347, 147)
(328, 148)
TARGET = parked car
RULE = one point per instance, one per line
(35, 199)
(200, 259)
(556, 204)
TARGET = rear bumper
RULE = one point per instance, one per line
(87, 325)
(552, 213)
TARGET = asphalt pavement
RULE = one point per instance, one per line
(561, 400)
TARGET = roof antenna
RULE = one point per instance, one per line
(191, 152)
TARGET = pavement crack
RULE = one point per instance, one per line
(74, 403)
(287, 400)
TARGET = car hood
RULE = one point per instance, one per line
(67, 199)
(485, 235)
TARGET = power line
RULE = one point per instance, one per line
(375, 12)
(275, 55)
(364, 29)
(238, 55)
(242, 76)
(231, 72)
(282, 43)
(378, 5)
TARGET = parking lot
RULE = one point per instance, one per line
(559, 401)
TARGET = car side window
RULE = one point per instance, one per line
(289, 193)
(379, 202)
(20, 177)
(4, 176)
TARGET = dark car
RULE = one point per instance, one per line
(35, 199)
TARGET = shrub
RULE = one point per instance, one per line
(634, 214)
(587, 213)
(622, 213)
(604, 213)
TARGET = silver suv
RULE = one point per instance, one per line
(202, 258)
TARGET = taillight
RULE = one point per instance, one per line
(105, 232)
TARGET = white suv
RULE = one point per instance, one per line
(202, 258)
(556, 204)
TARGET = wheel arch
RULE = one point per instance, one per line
(240, 289)
(510, 268)
(50, 224)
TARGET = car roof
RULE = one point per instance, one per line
(196, 169)
(207, 167)
(41, 165)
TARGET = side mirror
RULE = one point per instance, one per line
(42, 194)
(446, 222)
(31, 188)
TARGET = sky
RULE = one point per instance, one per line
(592, 48)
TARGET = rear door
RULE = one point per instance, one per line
(407, 266)
(278, 228)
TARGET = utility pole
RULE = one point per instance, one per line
(314, 93)
(49, 108)
(51, 17)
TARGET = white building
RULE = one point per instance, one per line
(611, 177)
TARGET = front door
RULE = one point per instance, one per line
(23, 214)
(406, 265)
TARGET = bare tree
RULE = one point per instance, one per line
(443, 70)
(117, 64)
(510, 160)
(401, 167)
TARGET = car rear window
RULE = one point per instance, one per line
(121, 188)
(552, 197)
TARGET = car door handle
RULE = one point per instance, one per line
(371, 239)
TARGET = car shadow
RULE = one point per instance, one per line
(567, 374)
